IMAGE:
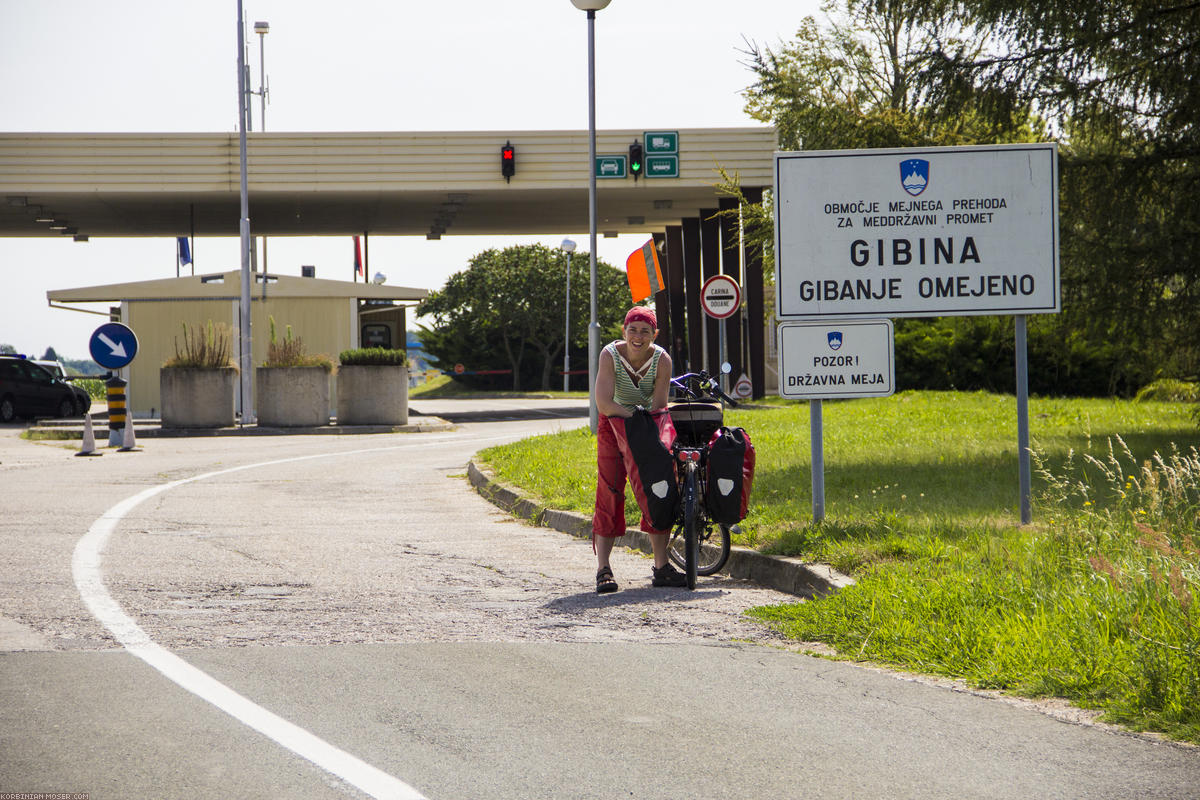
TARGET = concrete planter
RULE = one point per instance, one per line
(197, 397)
(292, 397)
(372, 395)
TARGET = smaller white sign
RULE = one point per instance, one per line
(824, 360)
(743, 388)
(720, 296)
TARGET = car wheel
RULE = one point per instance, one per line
(66, 408)
(8, 411)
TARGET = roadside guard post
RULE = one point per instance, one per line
(115, 388)
(917, 232)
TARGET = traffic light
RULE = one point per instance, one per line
(636, 161)
(508, 161)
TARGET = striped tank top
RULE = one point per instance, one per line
(626, 392)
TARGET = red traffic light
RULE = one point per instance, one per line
(508, 161)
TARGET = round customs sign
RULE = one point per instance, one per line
(720, 296)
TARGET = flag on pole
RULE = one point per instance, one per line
(184, 251)
(645, 274)
(358, 268)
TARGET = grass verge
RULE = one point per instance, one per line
(443, 386)
(1097, 602)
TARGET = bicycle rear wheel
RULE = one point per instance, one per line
(691, 531)
(713, 550)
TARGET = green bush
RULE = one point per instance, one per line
(205, 348)
(1168, 390)
(373, 356)
(290, 352)
(979, 354)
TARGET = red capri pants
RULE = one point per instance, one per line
(614, 464)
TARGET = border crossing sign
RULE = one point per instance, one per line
(840, 359)
(917, 232)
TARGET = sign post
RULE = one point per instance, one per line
(922, 232)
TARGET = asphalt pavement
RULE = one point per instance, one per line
(344, 616)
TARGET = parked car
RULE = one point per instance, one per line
(55, 368)
(28, 390)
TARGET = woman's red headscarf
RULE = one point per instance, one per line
(641, 314)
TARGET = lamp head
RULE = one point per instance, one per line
(262, 27)
(567, 246)
(379, 279)
(590, 5)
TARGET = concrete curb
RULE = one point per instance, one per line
(151, 429)
(781, 573)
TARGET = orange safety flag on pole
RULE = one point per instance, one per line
(645, 274)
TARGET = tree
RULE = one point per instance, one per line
(7, 350)
(862, 79)
(1119, 79)
(50, 355)
(505, 311)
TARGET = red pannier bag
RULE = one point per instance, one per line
(730, 475)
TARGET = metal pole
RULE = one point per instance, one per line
(567, 335)
(262, 79)
(817, 434)
(262, 126)
(594, 325)
(244, 357)
(1023, 454)
(721, 354)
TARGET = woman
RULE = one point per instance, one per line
(632, 372)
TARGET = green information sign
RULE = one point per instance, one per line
(610, 166)
(661, 142)
(662, 166)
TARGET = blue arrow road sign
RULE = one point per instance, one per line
(113, 345)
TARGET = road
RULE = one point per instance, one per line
(342, 616)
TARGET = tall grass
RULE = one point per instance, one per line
(205, 347)
(289, 351)
(1098, 606)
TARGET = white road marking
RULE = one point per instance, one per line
(85, 566)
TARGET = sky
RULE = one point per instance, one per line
(355, 65)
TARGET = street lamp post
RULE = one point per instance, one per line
(262, 29)
(591, 7)
(244, 357)
(568, 247)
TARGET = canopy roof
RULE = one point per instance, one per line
(227, 286)
(430, 183)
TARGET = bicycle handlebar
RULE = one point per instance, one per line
(705, 382)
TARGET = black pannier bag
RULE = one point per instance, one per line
(656, 466)
(730, 475)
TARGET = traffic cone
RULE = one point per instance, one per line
(130, 441)
(89, 438)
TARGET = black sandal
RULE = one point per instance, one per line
(604, 581)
